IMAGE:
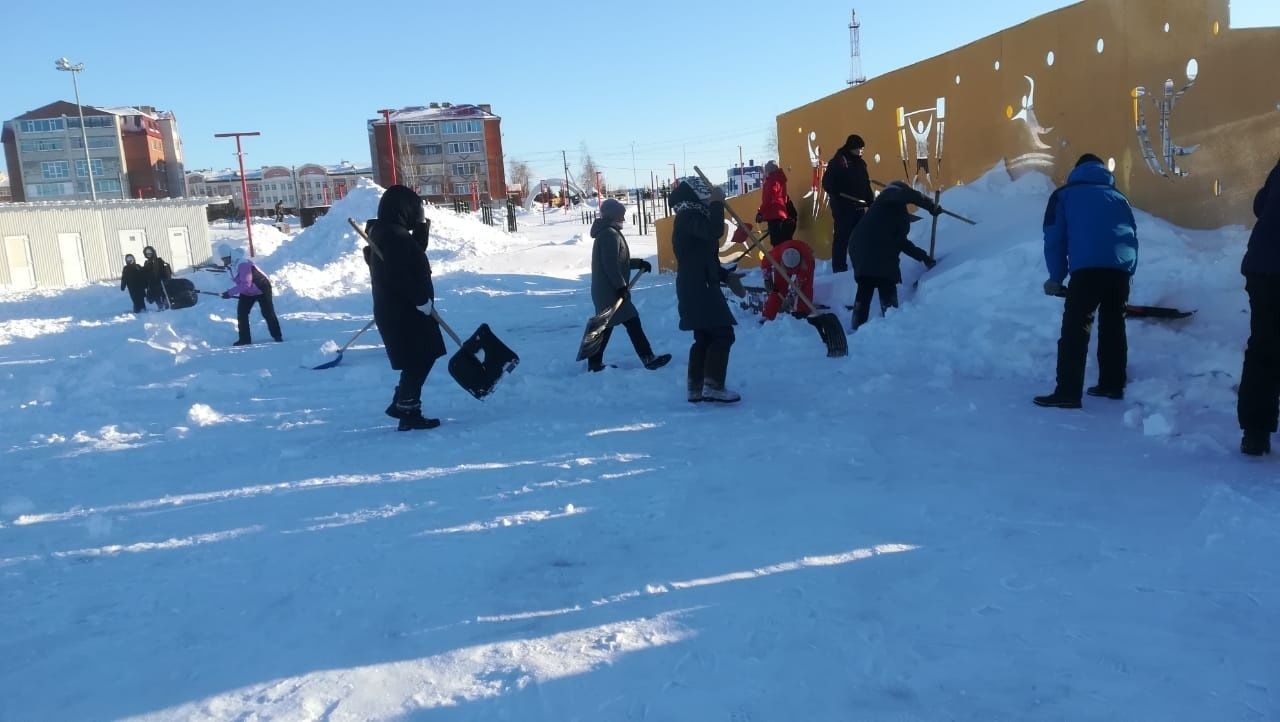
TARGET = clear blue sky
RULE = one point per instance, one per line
(686, 81)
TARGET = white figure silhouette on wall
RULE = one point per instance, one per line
(1028, 116)
(921, 134)
(815, 179)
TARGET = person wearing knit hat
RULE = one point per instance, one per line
(846, 175)
(1090, 234)
(776, 208)
(611, 264)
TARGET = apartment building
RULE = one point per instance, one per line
(443, 151)
(305, 186)
(134, 152)
(5, 194)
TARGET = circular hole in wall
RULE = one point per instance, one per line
(1102, 44)
(997, 65)
(871, 103)
(957, 80)
(877, 157)
(1217, 28)
(1193, 69)
(1048, 59)
(1111, 164)
(1166, 27)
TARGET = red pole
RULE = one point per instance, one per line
(244, 184)
(391, 145)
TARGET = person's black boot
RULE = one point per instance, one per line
(392, 409)
(242, 342)
(653, 363)
(411, 418)
(695, 391)
(1255, 443)
(1057, 400)
(1106, 392)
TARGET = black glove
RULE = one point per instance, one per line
(759, 218)
(646, 266)
(226, 294)
(929, 261)
(624, 294)
(1054, 288)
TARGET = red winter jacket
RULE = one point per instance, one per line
(774, 205)
(802, 275)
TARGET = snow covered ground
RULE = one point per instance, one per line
(193, 531)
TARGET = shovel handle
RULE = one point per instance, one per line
(447, 329)
(361, 233)
(943, 211)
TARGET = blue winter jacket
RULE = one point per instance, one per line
(1089, 224)
(1263, 255)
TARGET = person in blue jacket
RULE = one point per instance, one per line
(1090, 233)
(1258, 403)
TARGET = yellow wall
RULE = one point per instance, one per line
(1083, 102)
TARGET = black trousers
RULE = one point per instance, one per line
(1258, 403)
(155, 294)
(709, 356)
(781, 231)
(844, 223)
(409, 392)
(1104, 292)
(638, 340)
(245, 304)
(868, 286)
(139, 298)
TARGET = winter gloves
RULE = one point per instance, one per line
(929, 262)
(1054, 288)
(639, 264)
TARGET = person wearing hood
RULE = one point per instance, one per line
(876, 244)
(1090, 233)
(1258, 403)
(251, 287)
(403, 298)
(157, 272)
(776, 208)
(695, 239)
(846, 175)
(134, 278)
(611, 264)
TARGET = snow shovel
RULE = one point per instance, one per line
(593, 334)
(345, 346)
(1154, 312)
(481, 360)
(829, 327)
(941, 210)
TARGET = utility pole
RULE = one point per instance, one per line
(75, 69)
(244, 184)
(742, 173)
(565, 158)
(674, 179)
(634, 178)
(391, 145)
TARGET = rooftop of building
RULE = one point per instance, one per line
(59, 108)
(230, 174)
(438, 111)
(115, 203)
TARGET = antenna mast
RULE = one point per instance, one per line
(855, 52)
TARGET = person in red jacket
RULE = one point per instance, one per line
(776, 208)
(797, 258)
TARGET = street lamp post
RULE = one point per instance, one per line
(74, 68)
(391, 146)
(244, 184)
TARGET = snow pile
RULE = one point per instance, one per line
(266, 237)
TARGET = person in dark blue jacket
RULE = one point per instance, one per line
(1090, 233)
(1258, 404)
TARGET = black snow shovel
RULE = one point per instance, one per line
(829, 327)
(593, 334)
(481, 360)
(1164, 313)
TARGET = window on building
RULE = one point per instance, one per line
(468, 168)
(46, 190)
(93, 121)
(454, 127)
(428, 149)
(46, 125)
(55, 169)
(466, 146)
(418, 128)
(43, 144)
(82, 173)
(103, 185)
(95, 141)
(429, 189)
(462, 188)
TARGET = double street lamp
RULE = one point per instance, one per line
(75, 68)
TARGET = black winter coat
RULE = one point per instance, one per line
(695, 238)
(881, 235)
(401, 279)
(847, 173)
(133, 277)
(1263, 255)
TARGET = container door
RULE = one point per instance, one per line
(17, 251)
(180, 247)
(74, 272)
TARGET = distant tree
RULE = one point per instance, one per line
(519, 173)
(588, 178)
(772, 141)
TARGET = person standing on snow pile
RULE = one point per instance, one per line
(1258, 403)
(776, 208)
(252, 287)
(695, 239)
(403, 301)
(134, 278)
(611, 263)
(877, 242)
(1090, 233)
(157, 272)
(846, 175)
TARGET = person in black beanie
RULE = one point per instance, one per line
(134, 278)
(611, 262)
(1258, 404)
(402, 301)
(846, 175)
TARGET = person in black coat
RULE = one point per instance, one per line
(134, 278)
(402, 301)
(695, 239)
(878, 240)
(1258, 403)
(846, 175)
(157, 272)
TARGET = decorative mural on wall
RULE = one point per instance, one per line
(816, 196)
(1035, 159)
(1170, 151)
(920, 125)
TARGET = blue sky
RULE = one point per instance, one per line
(687, 82)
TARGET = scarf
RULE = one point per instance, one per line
(692, 206)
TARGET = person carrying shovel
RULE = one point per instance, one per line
(611, 263)
(877, 242)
